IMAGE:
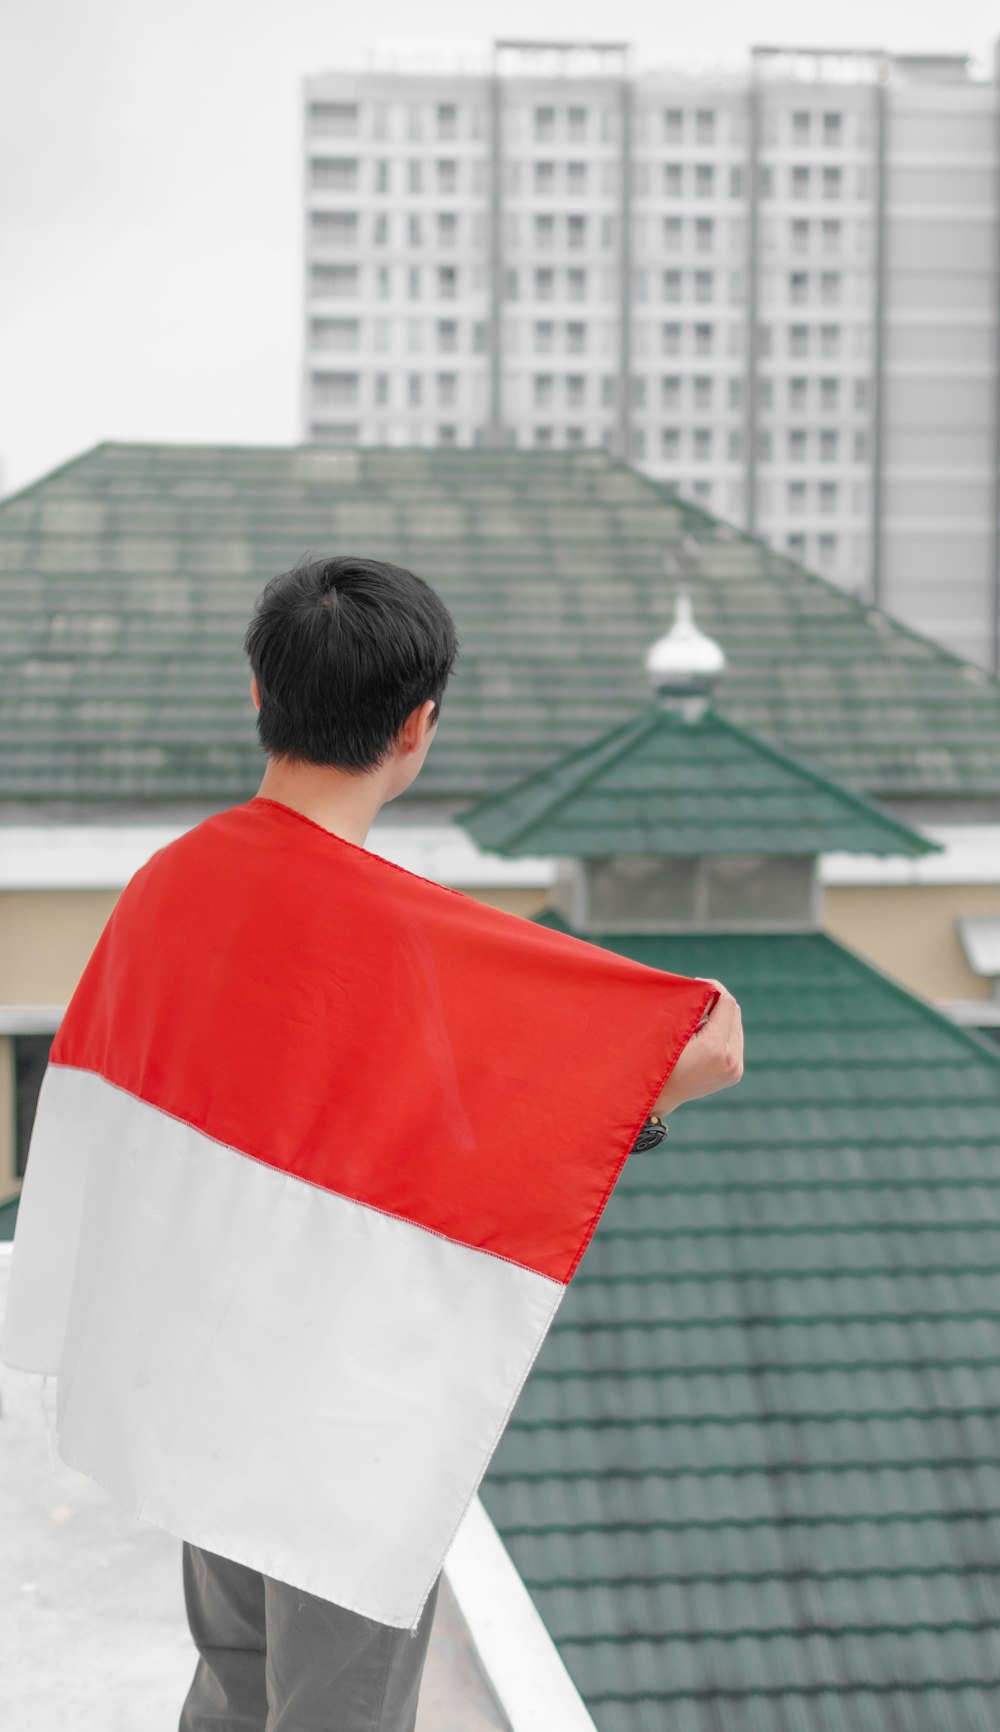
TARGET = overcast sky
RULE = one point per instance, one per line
(150, 221)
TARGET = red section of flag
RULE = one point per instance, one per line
(328, 1013)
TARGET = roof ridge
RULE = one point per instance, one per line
(853, 602)
(829, 783)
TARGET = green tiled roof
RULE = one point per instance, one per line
(753, 1480)
(661, 784)
(127, 577)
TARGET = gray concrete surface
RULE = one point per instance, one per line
(94, 1633)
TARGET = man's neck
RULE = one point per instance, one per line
(342, 802)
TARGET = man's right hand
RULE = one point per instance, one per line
(712, 1058)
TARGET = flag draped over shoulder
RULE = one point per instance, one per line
(317, 1153)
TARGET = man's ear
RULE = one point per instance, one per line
(254, 692)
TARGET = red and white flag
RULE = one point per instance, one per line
(317, 1153)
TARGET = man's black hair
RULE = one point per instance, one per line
(343, 650)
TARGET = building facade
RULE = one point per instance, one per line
(778, 291)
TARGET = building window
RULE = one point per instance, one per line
(828, 496)
(831, 234)
(511, 284)
(670, 443)
(670, 339)
(831, 182)
(383, 283)
(334, 119)
(796, 545)
(608, 392)
(415, 173)
(335, 333)
(798, 340)
(765, 392)
(413, 283)
(797, 391)
(736, 181)
(703, 391)
(800, 234)
(576, 337)
(673, 125)
(671, 285)
(797, 444)
(703, 444)
(735, 393)
(447, 228)
(702, 491)
(576, 177)
(798, 287)
(735, 444)
(447, 175)
(829, 339)
(574, 437)
(704, 234)
(796, 495)
(447, 120)
(827, 549)
(380, 232)
(704, 180)
(860, 393)
(800, 182)
(334, 227)
(31, 1055)
(576, 230)
(447, 390)
(576, 284)
(447, 282)
(765, 180)
(338, 281)
(545, 231)
(828, 444)
(672, 179)
(545, 281)
(545, 177)
(672, 234)
(704, 126)
(544, 387)
(764, 444)
(545, 123)
(381, 389)
(415, 390)
(543, 436)
(829, 287)
(335, 390)
(382, 176)
(833, 128)
(704, 285)
(704, 336)
(670, 391)
(334, 173)
(860, 446)
(608, 231)
(800, 126)
(576, 123)
(447, 435)
(545, 336)
(447, 335)
(575, 391)
(829, 393)
(413, 230)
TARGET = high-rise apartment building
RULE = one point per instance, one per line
(778, 291)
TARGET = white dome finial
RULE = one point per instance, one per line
(684, 665)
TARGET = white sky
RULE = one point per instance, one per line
(150, 194)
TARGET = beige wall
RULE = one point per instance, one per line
(908, 931)
(46, 937)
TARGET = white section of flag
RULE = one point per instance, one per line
(186, 1295)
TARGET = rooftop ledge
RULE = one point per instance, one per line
(104, 856)
(97, 1599)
